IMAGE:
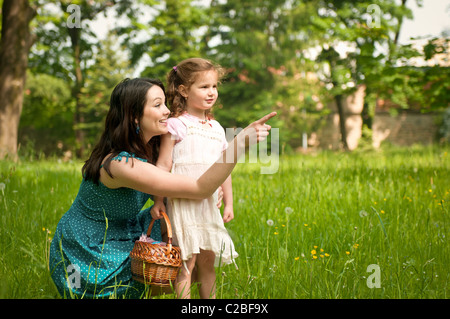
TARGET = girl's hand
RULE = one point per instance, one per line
(228, 214)
(156, 210)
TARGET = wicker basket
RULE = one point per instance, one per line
(156, 264)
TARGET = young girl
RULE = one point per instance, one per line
(193, 144)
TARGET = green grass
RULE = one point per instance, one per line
(334, 215)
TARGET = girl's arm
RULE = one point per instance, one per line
(228, 213)
(165, 163)
(153, 180)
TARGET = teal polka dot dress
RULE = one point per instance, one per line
(89, 254)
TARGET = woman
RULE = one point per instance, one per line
(89, 254)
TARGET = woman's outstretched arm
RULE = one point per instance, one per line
(150, 179)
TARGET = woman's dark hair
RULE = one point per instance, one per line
(126, 106)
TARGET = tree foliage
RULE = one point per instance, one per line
(283, 55)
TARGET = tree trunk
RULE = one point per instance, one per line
(340, 107)
(16, 41)
(76, 91)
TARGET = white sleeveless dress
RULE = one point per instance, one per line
(198, 224)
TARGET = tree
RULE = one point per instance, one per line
(262, 44)
(111, 65)
(82, 12)
(173, 35)
(16, 41)
(364, 26)
(47, 119)
(67, 47)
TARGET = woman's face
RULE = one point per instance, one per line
(154, 118)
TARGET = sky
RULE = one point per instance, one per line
(429, 20)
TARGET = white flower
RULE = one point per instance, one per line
(270, 222)
(288, 210)
(363, 213)
(2, 186)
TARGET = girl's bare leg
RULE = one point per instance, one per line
(206, 274)
(183, 281)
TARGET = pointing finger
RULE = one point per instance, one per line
(265, 118)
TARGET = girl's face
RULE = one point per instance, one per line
(202, 94)
(154, 118)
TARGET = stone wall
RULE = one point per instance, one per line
(404, 129)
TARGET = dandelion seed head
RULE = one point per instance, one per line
(270, 222)
(288, 210)
(362, 213)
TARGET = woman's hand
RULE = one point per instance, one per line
(255, 132)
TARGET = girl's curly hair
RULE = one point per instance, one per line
(185, 73)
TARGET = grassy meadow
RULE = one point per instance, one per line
(325, 225)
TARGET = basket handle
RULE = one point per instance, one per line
(169, 230)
